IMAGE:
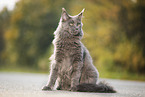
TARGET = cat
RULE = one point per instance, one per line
(71, 64)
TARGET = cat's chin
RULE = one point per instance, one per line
(77, 33)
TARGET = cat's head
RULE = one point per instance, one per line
(71, 25)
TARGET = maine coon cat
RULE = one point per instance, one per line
(71, 64)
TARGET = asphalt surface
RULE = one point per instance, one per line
(29, 85)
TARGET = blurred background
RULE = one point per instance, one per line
(114, 33)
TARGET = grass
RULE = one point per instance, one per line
(124, 75)
(22, 69)
(102, 72)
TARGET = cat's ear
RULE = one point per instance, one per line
(80, 15)
(64, 15)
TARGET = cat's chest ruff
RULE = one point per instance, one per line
(68, 46)
(66, 60)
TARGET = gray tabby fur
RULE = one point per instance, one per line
(71, 63)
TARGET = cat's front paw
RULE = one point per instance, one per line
(58, 88)
(46, 88)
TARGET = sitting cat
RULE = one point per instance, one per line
(71, 63)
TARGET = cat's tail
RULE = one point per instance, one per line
(101, 87)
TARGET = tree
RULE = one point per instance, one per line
(132, 21)
(4, 24)
(31, 31)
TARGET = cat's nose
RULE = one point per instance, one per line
(77, 28)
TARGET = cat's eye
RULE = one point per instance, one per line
(78, 24)
(71, 24)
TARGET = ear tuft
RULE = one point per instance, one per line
(63, 10)
(83, 10)
(64, 15)
(80, 15)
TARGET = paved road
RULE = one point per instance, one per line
(29, 85)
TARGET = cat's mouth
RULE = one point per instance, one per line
(77, 33)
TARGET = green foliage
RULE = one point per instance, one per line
(4, 24)
(114, 33)
(132, 21)
(31, 31)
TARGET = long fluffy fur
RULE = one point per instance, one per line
(71, 64)
(102, 87)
